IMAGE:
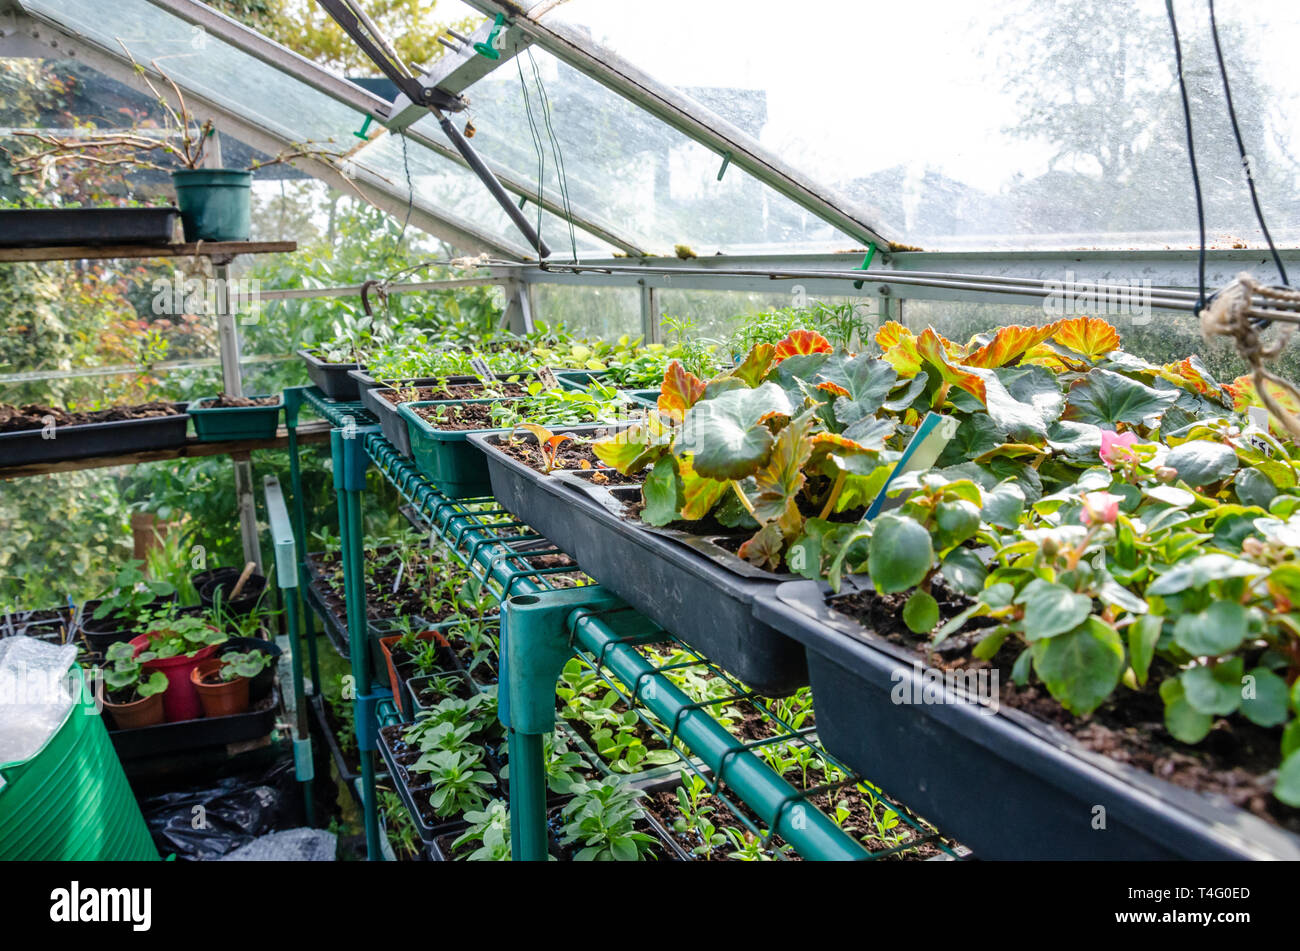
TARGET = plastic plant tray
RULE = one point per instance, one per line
(1006, 784)
(447, 458)
(687, 584)
(332, 378)
(95, 439)
(198, 733)
(46, 227)
(223, 423)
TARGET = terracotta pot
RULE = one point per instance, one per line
(220, 698)
(180, 699)
(386, 645)
(138, 713)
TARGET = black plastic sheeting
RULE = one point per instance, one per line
(201, 824)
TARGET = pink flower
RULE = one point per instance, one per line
(1115, 447)
(1100, 508)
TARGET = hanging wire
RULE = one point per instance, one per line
(537, 142)
(1241, 149)
(410, 200)
(557, 154)
(1191, 154)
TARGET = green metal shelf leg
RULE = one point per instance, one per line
(534, 650)
(292, 404)
(349, 483)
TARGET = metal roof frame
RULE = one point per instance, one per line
(455, 77)
(691, 119)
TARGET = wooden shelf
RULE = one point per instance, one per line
(308, 434)
(216, 249)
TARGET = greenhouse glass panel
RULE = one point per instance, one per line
(208, 66)
(1007, 124)
(446, 185)
(626, 166)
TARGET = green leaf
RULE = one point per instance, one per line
(963, 570)
(976, 434)
(724, 434)
(958, 520)
(662, 493)
(1184, 722)
(900, 554)
(1143, 634)
(1264, 699)
(1287, 788)
(1218, 629)
(1200, 571)
(1004, 505)
(1104, 398)
(1082, 667)
(1214, 690)
(1051, 609)
(921, 613)
(1291, 738)
(867, 379)
(1254, 487)
(1022, 422)
(1201, 462)
(1074, 439)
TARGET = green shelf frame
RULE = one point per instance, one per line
(541, 629)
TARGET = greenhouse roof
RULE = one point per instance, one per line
(690, 128)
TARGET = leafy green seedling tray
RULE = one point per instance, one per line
(446, 457)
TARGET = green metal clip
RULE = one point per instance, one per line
(866, 263)
(361, 133)
(726, 160)
(488, 47)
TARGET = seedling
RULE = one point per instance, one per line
(131, 593)
(125, 677)
(602, 817)
(548, 443)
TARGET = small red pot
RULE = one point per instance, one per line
(138, 713)
(219, 698)
(180, 699)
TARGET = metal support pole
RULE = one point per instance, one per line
(233, 385)
(292, 407)
(650, 330)
(286, 572)
(534, 650)
(349, 482)
(543, 627)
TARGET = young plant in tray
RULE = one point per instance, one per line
(172, 633)
(600, 823)
(125, 678)
(131, 594)
(489, 828)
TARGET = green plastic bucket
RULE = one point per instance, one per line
(71, 801)
(446, 457)
(223, 423)
(214, 203)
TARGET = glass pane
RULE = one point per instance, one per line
(456, 190)
(608, 312)
(1006, 124)
(202, 63)
(624, 166)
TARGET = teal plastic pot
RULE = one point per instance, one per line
(214, 203)
(446, 457)
(71, 801)
(224, 423)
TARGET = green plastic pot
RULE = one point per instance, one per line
(446, 457)
(224, 423)
(214, 203)
(71, 801)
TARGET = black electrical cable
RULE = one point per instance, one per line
(1191, 154)
(1241, 149)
